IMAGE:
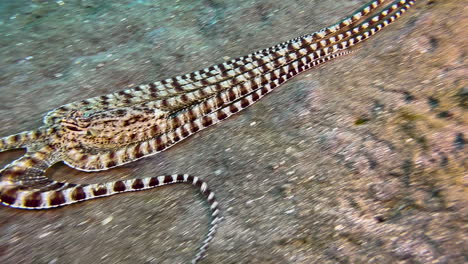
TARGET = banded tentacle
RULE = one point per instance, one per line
(212, 110)
(248, 71)
(269, 63)
(177, 85)
(24, 139)
(187, 123)
(369, 28)
(213, 74)
(184, 83)
(338, 27)
(23, 185)
(46, 194)
(239, 97)
(354, 28)
(305, 55)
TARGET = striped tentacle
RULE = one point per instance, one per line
(241, 89)
(16, 195)
(193, 119)
(356, 28)
(191, 81)
(342, 32)
(23, 139)
(176, 102)
(186, 129)
(217, 108)
(271, 62)
(376, 23)
(335, 29)
(234, 106)
(22, 181)
(176, 85)
(241, 96)
(210, 75)
(109, 159)
(213, 110)
(183, 129)
(213, 117)
(184, 83)
(220, 72)
(283, 60)
(29, 169)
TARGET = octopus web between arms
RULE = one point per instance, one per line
(107, 131)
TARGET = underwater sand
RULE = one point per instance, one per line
(362, 160)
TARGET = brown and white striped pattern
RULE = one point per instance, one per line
(111, 130)
(55, 194)
(211, 75)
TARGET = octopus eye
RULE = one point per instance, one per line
(83, 122)
(91, 132)
(73, 128)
